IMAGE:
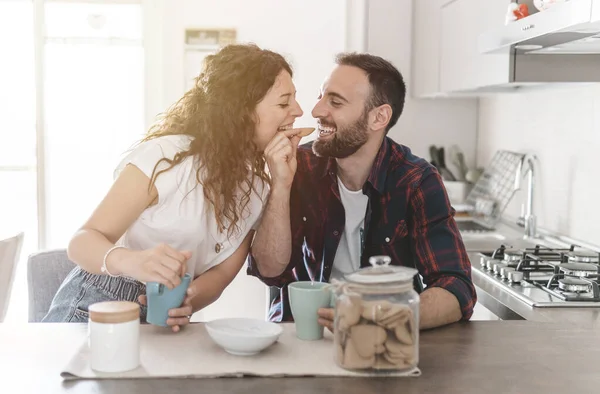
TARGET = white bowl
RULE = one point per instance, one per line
(242, 336)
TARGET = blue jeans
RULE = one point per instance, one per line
(80, 289)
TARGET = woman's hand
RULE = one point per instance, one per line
(162, 264)
(178, 317)
(280, 154)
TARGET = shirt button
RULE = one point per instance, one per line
(336, 233)
(387, 239)
(304, 218)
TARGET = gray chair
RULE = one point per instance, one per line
(45, 273)
(10, 253)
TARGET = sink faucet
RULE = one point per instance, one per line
(527, 218)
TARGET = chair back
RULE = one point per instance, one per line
(10, 252)
(45, 273)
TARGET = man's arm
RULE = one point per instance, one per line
(440, 255)
(271, 250)
(438, 307)
(272, 247)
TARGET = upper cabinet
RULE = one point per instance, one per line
(446, 55)
(426, 48)
(462, 66)
(465, 48)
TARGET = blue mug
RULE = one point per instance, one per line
(161, 299)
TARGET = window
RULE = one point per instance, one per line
(93, 101)
(18, 183)
(90, 91)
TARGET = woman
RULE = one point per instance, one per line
(187, 198)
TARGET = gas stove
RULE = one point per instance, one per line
(546, 277)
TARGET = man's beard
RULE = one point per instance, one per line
(345, 141)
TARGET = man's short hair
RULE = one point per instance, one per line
(387, 84)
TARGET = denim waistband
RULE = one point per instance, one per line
(118, 288)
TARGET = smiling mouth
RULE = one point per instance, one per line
(285, 127)
(326, 130)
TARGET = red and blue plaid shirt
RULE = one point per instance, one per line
(408, 218)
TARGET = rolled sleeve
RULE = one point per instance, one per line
(463, 291)
(279, 281)
(440, 253)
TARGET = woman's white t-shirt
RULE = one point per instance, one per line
(183, 218)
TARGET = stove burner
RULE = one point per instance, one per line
(512, 256)
(583, 257)
(580, 270)
(574, 285)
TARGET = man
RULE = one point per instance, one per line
(354, 193)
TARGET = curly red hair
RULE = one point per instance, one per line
(218, 112)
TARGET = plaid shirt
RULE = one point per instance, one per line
(408, 218)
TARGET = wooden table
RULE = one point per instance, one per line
(474, 357)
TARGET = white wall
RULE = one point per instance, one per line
(561, 126)
(307, 33)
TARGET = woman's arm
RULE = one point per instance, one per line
(128, 197)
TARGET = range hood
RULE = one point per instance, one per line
(572, 27)
(560, 45)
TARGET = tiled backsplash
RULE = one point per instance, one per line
(562, 127)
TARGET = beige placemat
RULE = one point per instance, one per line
(191, 353)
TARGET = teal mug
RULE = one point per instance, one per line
(306, 298)
(161, 299)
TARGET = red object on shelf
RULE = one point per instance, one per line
(521, 11)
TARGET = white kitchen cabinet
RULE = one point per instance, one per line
(426, 30)
(462, 68)
(445, 57)
(443, 122)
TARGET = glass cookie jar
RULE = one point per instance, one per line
(376, 324)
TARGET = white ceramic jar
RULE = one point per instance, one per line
(114, 336)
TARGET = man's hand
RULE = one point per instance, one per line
(326, 318)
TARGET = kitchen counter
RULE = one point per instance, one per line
(470, 357)
(502, 303)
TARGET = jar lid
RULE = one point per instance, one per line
(381, 272)
(114, 312)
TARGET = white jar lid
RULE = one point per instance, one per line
(381, 272)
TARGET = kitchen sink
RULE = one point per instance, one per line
(491, 241)
(475, 241)
(493, 236)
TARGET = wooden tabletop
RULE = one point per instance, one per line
(474, 357)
